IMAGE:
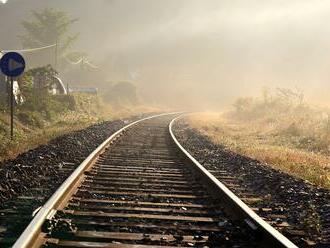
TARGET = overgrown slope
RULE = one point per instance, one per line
(279, 129)
(60, 115)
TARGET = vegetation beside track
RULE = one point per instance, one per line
(40, 115)
(279, 129)
(61, 115)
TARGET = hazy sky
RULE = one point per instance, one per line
(210, 49)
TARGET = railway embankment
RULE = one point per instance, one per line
(294, 206)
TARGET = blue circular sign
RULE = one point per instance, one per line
(12, 64)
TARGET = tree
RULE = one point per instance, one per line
(49, 26)
(243, 104)
(35, 85)
(122, 93)
(42, 77)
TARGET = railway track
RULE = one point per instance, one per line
(140, 188)
(290, 205)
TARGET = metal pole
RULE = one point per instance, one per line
(8, 91)
(82, 63)
(12, 108)
(55, 60)
(56, 51)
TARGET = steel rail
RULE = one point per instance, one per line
(33, 230)
(234, 204)
(268, 235)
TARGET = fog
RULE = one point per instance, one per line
(196, 52)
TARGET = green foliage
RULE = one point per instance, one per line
(36, 122)
(48, 26)
(69, 101)
(40, 78)
(31, 118)
(4, 144)
(3, 127)
(35, 85)
(45, 104)
(39, 103)
(86, 103)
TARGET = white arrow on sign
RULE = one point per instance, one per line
(13, 65)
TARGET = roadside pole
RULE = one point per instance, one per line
(12, 108)
(12, 65)
(56, 52)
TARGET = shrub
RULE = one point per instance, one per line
(3, 127)
(31, 118)
(122, 93)
(292, 130)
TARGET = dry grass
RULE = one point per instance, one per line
(265, 141)
(34, 139)
(27, 138)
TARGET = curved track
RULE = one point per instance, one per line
(140, 188)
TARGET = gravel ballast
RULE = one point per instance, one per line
(28, 181)
(307, 207)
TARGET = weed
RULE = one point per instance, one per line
(282, 131)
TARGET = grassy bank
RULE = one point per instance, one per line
(34, 128)
(288, 135)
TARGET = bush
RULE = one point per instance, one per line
(284, 116)
(292, 130)
(122, 93)
(68, 101)
(31, 118)
(3, 127)
(270, 105)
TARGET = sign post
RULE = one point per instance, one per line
(12, 64)
(11, 107)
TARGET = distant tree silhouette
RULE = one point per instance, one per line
(122, 93)
(48, 26)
